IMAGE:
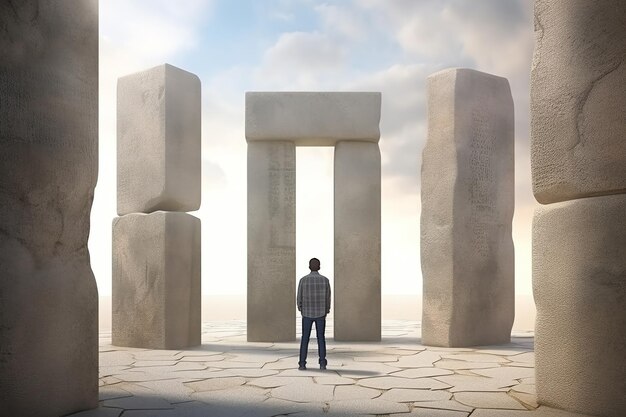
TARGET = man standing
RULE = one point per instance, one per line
(314, 304)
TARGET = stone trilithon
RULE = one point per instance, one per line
(275, 124)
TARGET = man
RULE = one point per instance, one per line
(314, 304)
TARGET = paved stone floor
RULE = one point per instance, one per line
(226, 376)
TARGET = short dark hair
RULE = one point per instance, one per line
(314, 264)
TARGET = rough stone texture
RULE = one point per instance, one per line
(357, 241)
(156, 280)
(578, 96)
(271, 241)
(48, 171)
(467, 210)
(579, 284)
(313, 118)
(158, 132)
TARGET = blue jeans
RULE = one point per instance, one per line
(320, 327)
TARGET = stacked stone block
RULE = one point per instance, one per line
(48, 171)
(578, 151)
(156, 245)
(275, 124)
(467, 210)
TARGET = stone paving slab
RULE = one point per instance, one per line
(216, 384)
(226, 376)
(138, 403)
(455, 365)
(540, 412)
(389, 382)
(424, 412)
(403, 395)
(422, 373)
(355, 392)
(363, 406)
(450, 405)
(100, 412)
(506, 372)
(459, 383)
(488, 400)
(529, 400)
(304, 392)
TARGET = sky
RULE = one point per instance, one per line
(236, 46)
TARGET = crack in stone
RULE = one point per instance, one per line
(583, 101)
(539, 33)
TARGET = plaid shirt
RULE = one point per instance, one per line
(314, 295)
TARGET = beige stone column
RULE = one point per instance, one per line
(156, 280)
(357, 241)
(578, 155)
(579, 284)
(467, 210)
(271, 241)
(156, 245)
(48, 171)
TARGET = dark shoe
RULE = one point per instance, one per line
(302, 368)
(323, 367)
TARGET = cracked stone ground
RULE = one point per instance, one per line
(227, 376)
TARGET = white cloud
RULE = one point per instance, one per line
(151, 30)
(342, 20)
(300, 60)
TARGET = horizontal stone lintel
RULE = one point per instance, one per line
(313, 118)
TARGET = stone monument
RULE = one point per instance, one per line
(578, 156)
(48, 171)
(467, 210)
(156, 245)
(275, 124)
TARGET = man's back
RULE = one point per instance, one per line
(314, 295)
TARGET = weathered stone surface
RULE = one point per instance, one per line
(357, 241)
(158, 141)
(467, 210)
(156, 280)
(578, 96)
(271, 241)
(48, 171)
(313, 118)
(579, 284)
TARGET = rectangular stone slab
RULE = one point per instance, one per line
(313, 118)
(158, 141)
(271, 241)
(156, 280)
(467, 209)
(579, 285)
(48, 171)
(578, 97)
(357, 242)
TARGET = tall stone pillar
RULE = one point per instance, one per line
(156, 245)
(357, 241)
(467, 210)
(578, 155)
(271, 241)
(48, 171)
